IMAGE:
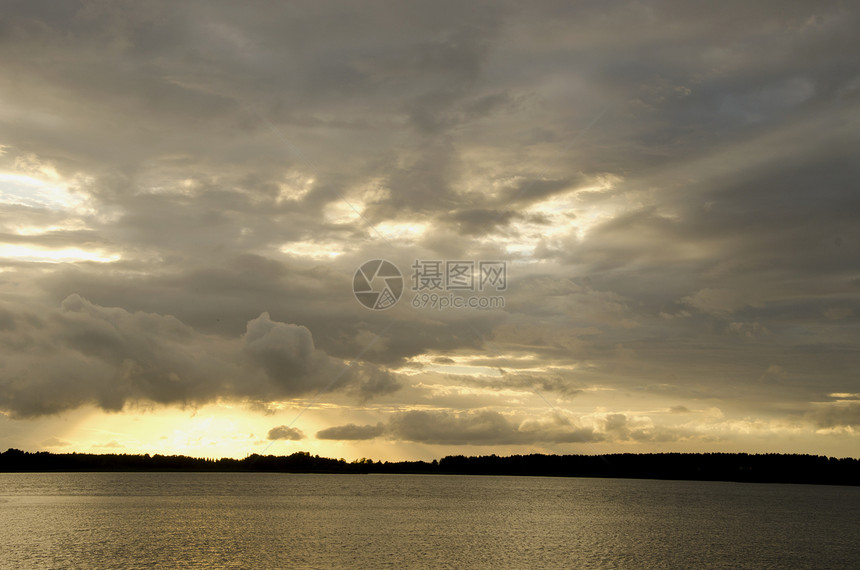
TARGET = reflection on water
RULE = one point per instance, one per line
(284, 520)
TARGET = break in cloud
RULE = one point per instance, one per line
(186, 190)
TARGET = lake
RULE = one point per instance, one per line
(140, 520)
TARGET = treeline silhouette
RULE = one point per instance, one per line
(762, 468)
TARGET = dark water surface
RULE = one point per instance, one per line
(146, 520)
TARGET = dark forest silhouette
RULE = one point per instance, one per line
(762, 468)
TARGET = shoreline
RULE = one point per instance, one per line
(728, 467)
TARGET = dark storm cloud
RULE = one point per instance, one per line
(284, 351)
(676, 182)
(109, 357)
(222, 299)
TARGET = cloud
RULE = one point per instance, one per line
(84, 353)
(621, 427)
(747, 330)
(454, 429)
(719, 302)
(475, 428)
(351, 432)
(197, 183)
(836, 415)
(285, 432)
(560, 383)
(286, 352)
(480, 221)
(763, 103)
(487, 427)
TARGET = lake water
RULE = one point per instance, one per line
(137, 520)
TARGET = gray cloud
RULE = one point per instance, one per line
(351, 432)
(88, 354)
(480, 221)
(674, 187)
(285, 432)
(486, 427)
(836, 415)
(478, 428)
(286, 352)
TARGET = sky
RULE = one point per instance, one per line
(187, 191)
